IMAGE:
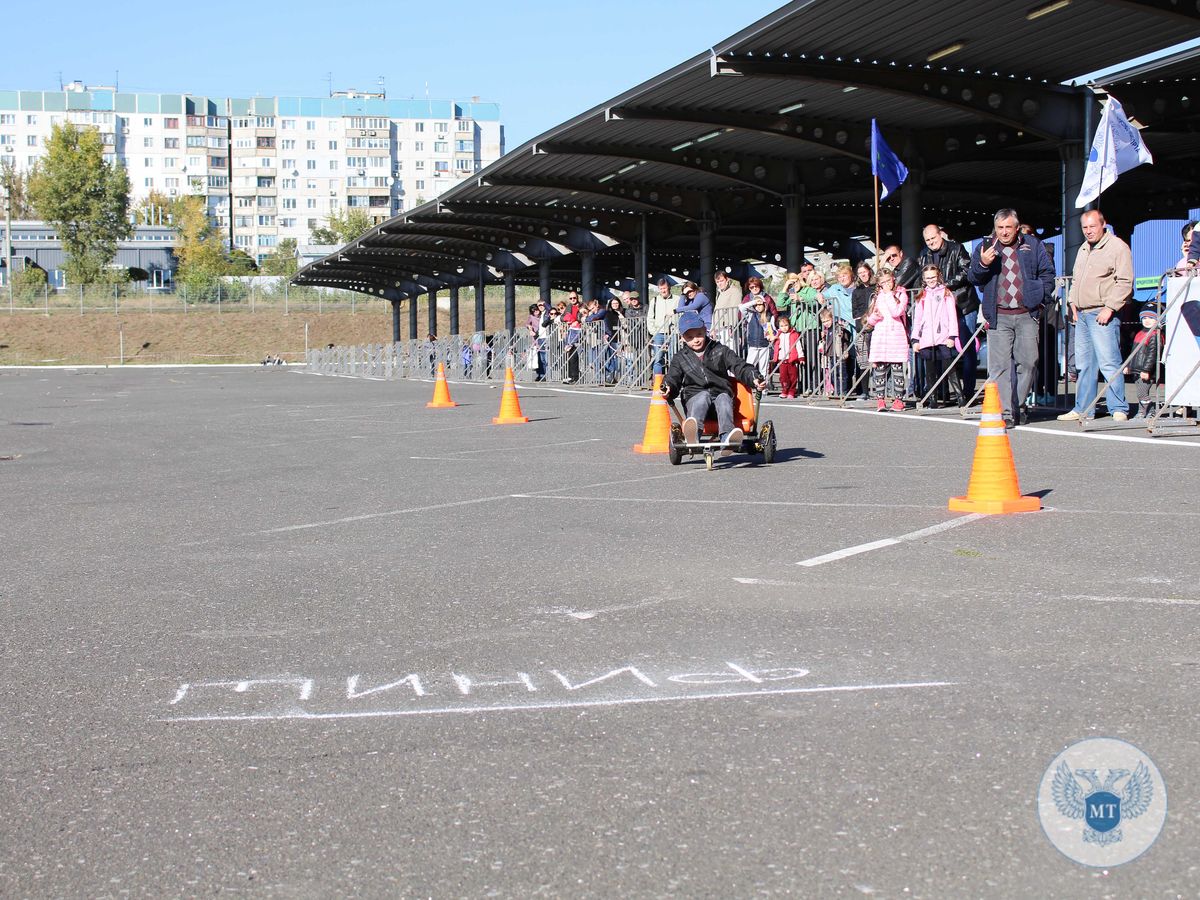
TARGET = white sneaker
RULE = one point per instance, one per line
(1071, 416)
(1119, 416)
(690, 428)
(733, 441)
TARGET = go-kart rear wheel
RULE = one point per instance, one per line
(674, 453)
(708, 461)
(766, 440)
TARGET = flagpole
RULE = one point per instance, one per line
(876, 226)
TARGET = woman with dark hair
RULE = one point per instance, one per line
(756, 291)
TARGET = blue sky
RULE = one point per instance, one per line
(542, 61)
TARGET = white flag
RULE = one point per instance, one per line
(1116, 148)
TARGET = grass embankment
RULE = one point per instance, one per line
(64, 338)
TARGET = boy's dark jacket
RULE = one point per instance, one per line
(686, 376)
(1146, 355)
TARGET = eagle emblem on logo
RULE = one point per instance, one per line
(1099, 805)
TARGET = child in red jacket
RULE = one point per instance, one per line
(788, 356)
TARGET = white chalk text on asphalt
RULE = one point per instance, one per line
(361, 695)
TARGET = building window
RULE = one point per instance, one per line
(289, 202)
(148, 122)
(287, 124)
(288, 184)
(441, 146)
(419, 147)
(442, 126)
(242, 221)
(148, 161)
(310, 145)
(218, 162)
(9, 119)
(333, 165)
(287, 144)
(265, 143)
(31, 140)
(418, 126)
(147, 142)
(287, 223)
(266, 162)
(310, 124)
(170, 123)
(265, 181)
(266, 221)
(419, 165)
(171, 182)
(441, 165)
(265, 122)
(464, 146)
(289, 164)
(170, 162)
(311, 203)
(333, 145)
(464, 124)
(356, 162)
(171, 143)
(312, 223)
(420, 185)
(149, 182)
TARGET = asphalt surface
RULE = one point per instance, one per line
(255, 623)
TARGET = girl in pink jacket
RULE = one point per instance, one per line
(889, 340)
(935, 329)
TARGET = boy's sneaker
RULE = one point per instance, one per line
(1070, 416)
(690, 428)
(880, 405)
(1119, 416)
(733, 441)
(897, 405)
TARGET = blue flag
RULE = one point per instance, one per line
(885, 163)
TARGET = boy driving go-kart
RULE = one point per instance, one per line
(700, 374)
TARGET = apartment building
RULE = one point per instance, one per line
(270, 168)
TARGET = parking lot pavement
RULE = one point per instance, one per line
(301, 636)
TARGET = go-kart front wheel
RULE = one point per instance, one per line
(674, 453)
(766, 440)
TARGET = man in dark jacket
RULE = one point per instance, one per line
(905, 268)
(700, 372)
(1017, 277)
(954, 261)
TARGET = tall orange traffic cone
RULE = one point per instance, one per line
(510, 406)
(657, 436)
(993, 487)
(441, 391)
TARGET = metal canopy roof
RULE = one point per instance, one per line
(783, 109)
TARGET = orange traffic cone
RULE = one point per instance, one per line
(993, 487)
(441, 391)
(510, 406)
(657, 436)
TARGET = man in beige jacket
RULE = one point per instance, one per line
(1102, 284)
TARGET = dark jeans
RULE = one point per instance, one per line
(970, 361)
(699, 405)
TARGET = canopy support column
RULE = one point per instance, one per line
(454, 310)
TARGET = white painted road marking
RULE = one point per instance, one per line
(768, 581)
(888, 542)
(1166, 601)
(564, 704)
(693, 501)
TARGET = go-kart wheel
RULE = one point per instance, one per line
(674, 453)
(708, 461)
(766, 440)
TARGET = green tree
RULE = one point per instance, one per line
(199, 250)
(282, 261)
(85, 198)
(343, 227)
(16, 186)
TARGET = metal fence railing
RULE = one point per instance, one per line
(628, 356)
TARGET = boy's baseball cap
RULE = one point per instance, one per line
(690, 320)
(1149, 312)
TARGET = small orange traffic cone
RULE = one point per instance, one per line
(993, 487)
(441, 391)
(657, 436)
(510, 406)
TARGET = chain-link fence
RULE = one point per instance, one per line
(222, 297)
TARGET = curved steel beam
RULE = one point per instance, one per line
(761, 172)
(1051, 111)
